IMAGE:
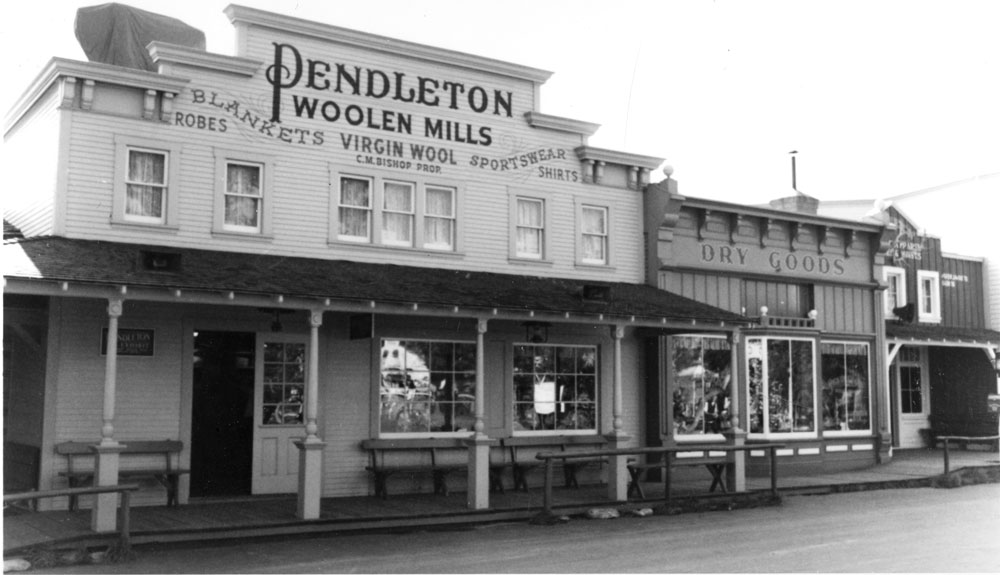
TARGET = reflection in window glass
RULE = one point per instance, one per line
(781, 386)
(555, 388)
(701, 376)
(284, 383)
(427, 386)
(845, 386)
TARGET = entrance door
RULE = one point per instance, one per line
(222, 413)
(278, 411)
(909, 375)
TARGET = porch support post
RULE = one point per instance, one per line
(478, 491)
(882, 393)
(311, 448)
(106, 455)
(736, 471)
(617, 438)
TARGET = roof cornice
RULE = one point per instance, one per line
(539, 120)
(616, 157)
(719, 206)
(366, 41)
(61, 67)
(164, 53)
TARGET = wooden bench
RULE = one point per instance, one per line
(965, 440)
(522, 451)
(80, 465)
(387, 457)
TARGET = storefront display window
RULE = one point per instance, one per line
(846, 385)
(284, 383)
(781, 385)
(701, 376)
(555, 388)
(427, 386)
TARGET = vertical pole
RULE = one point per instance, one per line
(310, 489)
(126, 519)
(478, 479)
(668, 457)
(774, 470)
(106, 454)
(547, 499)
(736, 470)
(947, 457)
(617, 464)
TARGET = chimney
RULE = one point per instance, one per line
(797, 201)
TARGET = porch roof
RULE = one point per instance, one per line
(929, 334)
(74, 265)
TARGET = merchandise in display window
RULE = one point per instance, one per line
(555, 388)
(782, 385)
(427, 386)
(284, 383)
(701, 376)
(845, 386)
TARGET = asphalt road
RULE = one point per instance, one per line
(906, 530)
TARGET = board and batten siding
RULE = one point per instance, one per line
(845, 309)
(304, 196)
(962, 296)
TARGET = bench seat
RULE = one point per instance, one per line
(387, 457)
(522, 450)
(168, 475)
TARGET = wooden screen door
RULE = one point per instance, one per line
(279, 411)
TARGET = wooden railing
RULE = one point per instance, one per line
(124, 514)
(964, 440)
(667, 451)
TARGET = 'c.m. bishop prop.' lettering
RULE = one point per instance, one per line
(290, 70)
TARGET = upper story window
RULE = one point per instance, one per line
(397, 213)
(355, 209)
(593, 234)
(244, 194)
(145, 184)
(929, 296)
(895, 293)
(243, 197)
(530, 228)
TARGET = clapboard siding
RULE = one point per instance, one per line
(31, 168)
(304, 195)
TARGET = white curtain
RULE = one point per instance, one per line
(242, 195)
(594, 234)
(397, 214)
(529, 228)
(439, 224)
(355, 207)
(145, 190)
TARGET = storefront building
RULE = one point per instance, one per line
(808, 373)
(327, 238)
(941, 353)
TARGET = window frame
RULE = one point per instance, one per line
(934, 315)
(901, 299)
(171, 151)
(512, 391)
(822, 384)
(581, 234)
(377, 409)
(673, 387)
(375, 239)
(545, 257)
(767, 434)
(223, 159)
(410, 215)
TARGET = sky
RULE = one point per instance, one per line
(878, 98)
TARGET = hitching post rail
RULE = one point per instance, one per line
(125, 489)
(965, 440)
(668, 452)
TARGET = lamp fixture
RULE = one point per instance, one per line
(536, 331)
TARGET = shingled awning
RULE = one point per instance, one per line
(95, 263)
(930, 334)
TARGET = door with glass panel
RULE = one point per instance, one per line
(909, 382)
(279, 411)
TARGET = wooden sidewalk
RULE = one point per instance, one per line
(275, 516)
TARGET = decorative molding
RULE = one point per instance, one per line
(163, 53)
(559, 124)
(616, 157)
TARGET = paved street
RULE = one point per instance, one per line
(905, 530)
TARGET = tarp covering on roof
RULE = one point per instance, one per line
(118, 34)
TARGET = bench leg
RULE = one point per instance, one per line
(520, 478)
(635, 483)
(172, 483)
(717, 469)
(440, 483)
(569, 475)
(380, 488)
(74, 500)
(496, 479)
